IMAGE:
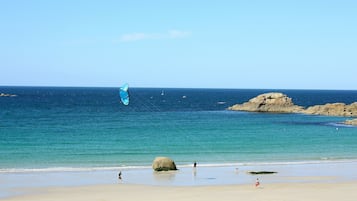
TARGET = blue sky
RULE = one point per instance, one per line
(305, 44)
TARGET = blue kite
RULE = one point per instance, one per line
(124, 94)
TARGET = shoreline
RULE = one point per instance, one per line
(180, 166)
(13, 185)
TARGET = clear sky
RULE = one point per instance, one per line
(287, 44)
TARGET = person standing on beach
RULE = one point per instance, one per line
(194, 170)
(257, 183)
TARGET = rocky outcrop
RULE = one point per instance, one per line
(262, 172)
(7, 95)
(352, 122)
(269, 102)
(163, 164)
(333, 109)
(281, 103)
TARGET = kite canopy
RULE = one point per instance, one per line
(124, 94)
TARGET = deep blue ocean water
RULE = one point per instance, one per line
(67, 127)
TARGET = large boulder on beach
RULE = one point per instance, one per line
(163, 164)
(334, 109)
(269, 102)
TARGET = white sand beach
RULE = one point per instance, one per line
(267, 192)
(317, 181)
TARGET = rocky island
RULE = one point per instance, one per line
(281, 103)
(333, 109)
(7, 95)
(269, 102)
(352, 122)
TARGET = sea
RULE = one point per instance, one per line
(88, 128)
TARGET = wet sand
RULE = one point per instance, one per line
(317, 181)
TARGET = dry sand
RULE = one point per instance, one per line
(346, 191)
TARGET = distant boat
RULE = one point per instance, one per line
(221, 103)
(184, 96)
(162, 93)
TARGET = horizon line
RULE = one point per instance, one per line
(156, 87)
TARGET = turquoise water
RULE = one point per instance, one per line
(44, 128)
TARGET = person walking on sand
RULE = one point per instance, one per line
(257, 183)
(119, 175)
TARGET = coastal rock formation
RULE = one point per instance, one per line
(262, 172)
(163, 164)
(7, 95)
(352, 122)
(280, 103)
(333, 109)
(269, 102)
